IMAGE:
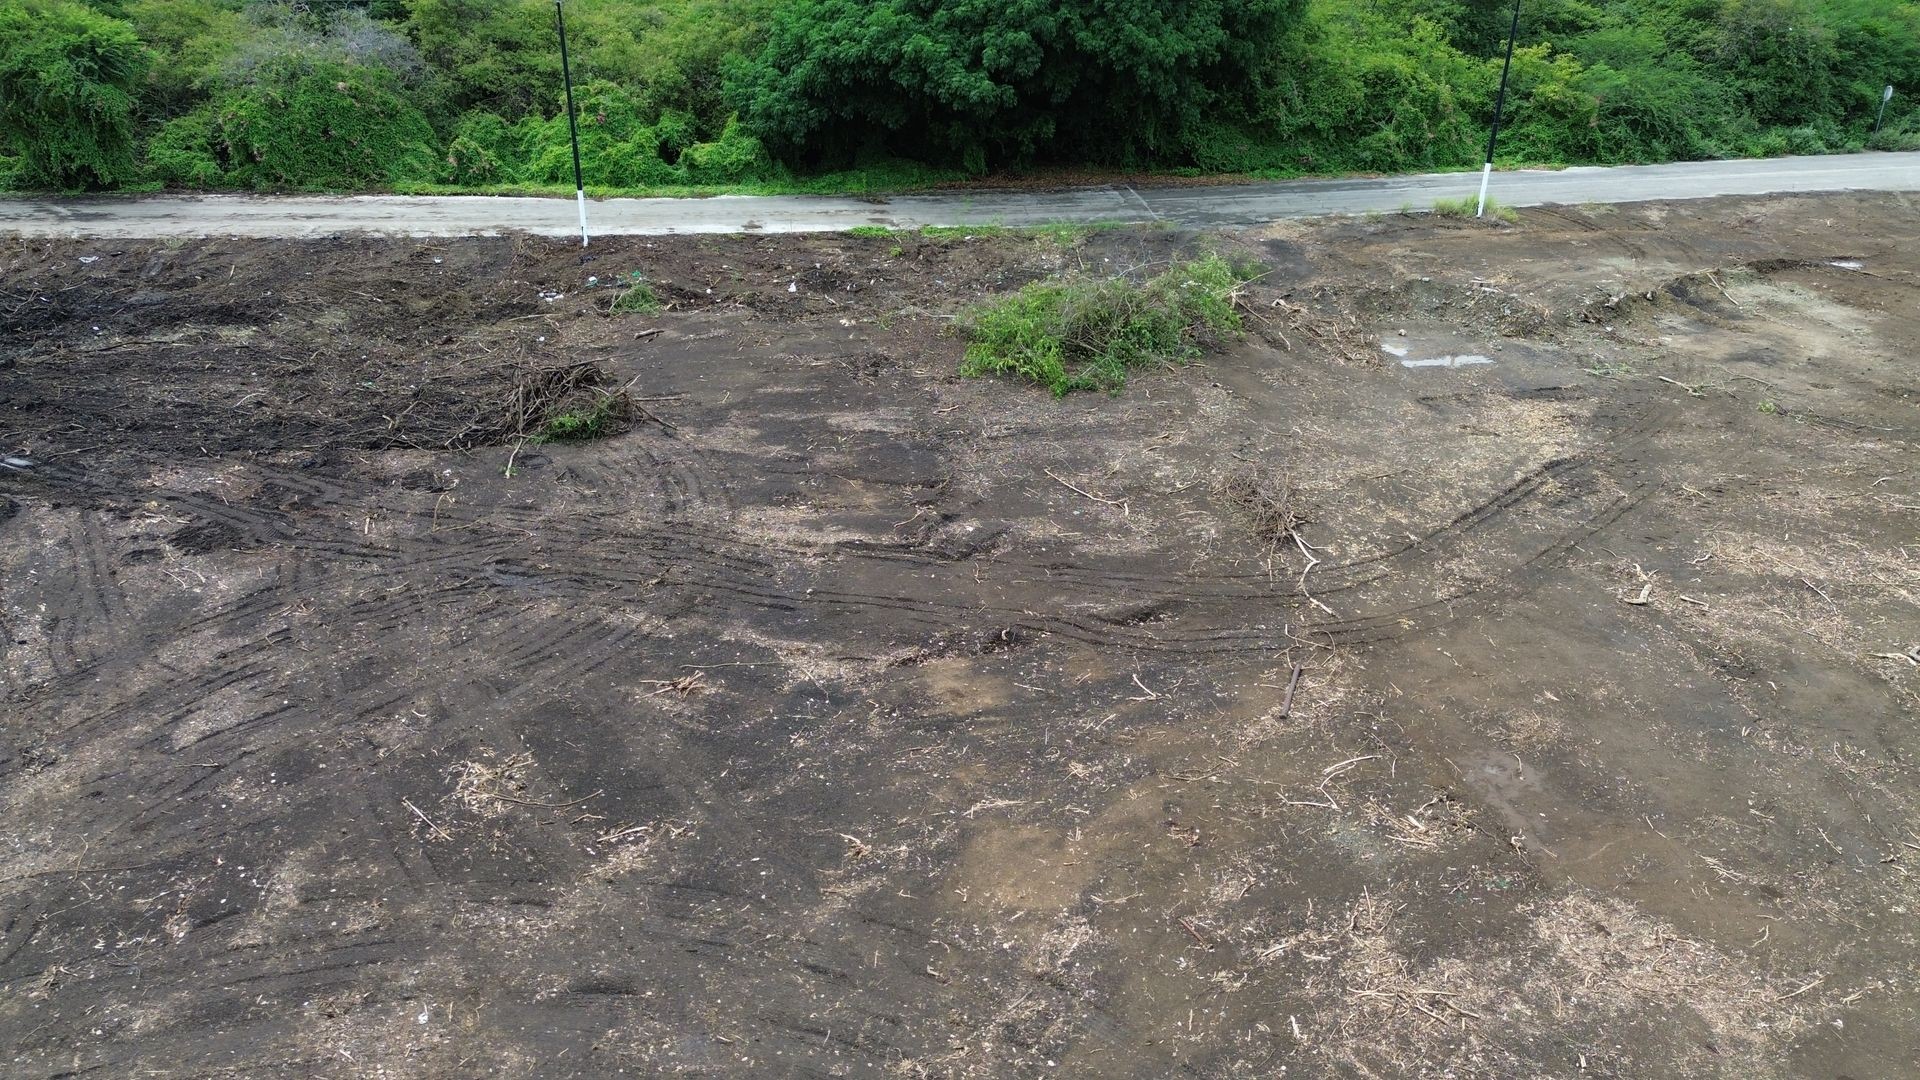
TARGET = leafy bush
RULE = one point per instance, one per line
(191, 41)
(618, 147)
(733, 157)
(321, 126)
(502, 56)
(979, 82)
(68, 79)
(1086, 335)
(481, 152)
(1352, 91)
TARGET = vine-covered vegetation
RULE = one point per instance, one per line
(845, 94)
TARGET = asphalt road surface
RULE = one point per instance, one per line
(145, 217)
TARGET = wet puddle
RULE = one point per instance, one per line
(1450, 360)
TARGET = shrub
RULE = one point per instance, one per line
(300, 125)
(980, 82)
(483, 151)
(191, 41)
(733, 157)
(1086, 335)
(189, 151)
(68, 76)
(1349, 90)
(618, 147)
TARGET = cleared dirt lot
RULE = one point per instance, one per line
(842, 717)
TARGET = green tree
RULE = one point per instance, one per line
(1000, 81)
(68, 79)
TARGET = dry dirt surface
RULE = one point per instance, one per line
(1297, 712)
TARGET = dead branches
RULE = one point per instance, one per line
(1267, 503)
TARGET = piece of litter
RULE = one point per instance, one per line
(16, 462)
(89, 258)
(793, 286)
(1843, 264)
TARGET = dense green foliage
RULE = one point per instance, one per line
(1072, 334)
(987, 81)
(68, 76)
(846, 94)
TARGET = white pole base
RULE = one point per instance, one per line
(580, 194)
(1486, 176)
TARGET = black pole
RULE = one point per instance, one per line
(573, 126)
(1499, 106)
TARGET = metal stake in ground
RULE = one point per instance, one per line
(1499, 106)
(573, 126)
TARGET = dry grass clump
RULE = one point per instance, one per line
(1268, 502)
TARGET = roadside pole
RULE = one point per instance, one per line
(1499, 106)
(1885, 96)
(573, 126)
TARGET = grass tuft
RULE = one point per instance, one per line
(597, 421)
(1088, 334)
(1469, 208)
(639, 299)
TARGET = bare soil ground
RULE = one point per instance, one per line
(1297, 712)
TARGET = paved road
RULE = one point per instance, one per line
(274, 216)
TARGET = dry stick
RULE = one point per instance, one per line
(542, 805)
(1312, 561)
(1188, 927)
(1692, 391)
(423, 817)
(1330, 770)
(1121, 503)
(1802, 990)
(1714, 280)
(1286, 700)
(1822, 593)
(649, 414)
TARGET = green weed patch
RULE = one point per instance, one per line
(1089, 334)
